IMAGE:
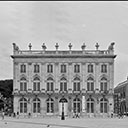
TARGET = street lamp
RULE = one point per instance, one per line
(62, 116)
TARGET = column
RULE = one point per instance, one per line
(83, 103)
(70, 106)
(16, 104)
(56, 106)
(57, 75)
(15, 75)
(97, 73)
(29, 74)
(111, 76)
(70, 74)
(83, 73)
(43, 77)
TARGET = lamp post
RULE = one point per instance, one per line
(62, 116)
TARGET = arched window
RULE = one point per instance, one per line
(50, 85)
(63, 84)
(36, 105)
(103, 84)
(36, 84)
(90, 68)
(90, 84)
(23, 105)
(90, 105)
(76, 105)
(76, 84)
(23, 84)
(50, 105)
(103, 105)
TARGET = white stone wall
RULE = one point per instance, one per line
(29, 62)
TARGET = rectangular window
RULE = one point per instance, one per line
(90, 68)
(88, 106)
(50, 86)
(63, 86)
(21, 107)
(34, 107)
(36, 86)
(48, 108)
(25, 107)
(105, 107)
(92, 107)
(76, 86)
(92, 86)
(104, 68)
(76, 68)
(38, 107)
(50, 68)
(101, 86)
(48, 89)
(23, 68)
(88, 88)
(36, 68)
(23, 86)
(63, 68)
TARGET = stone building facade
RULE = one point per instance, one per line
(121, 98)
(74, 81)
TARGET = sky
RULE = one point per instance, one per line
(64, 22)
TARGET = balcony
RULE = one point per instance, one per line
(49, 91)
(83, 90)
(29, 90)
(42, 90)
(62, 92)
(23, 91)
(76, 91)
(15, 91)
(96, 90)
(69, 90)
(56, 90)
(90, 91)
(104, 91)
(36, 91)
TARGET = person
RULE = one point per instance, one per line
(77, 115)
(14, 114)
(29, 115)
(112, 115)
(17, 115)
(2, 114)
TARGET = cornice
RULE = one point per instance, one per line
(63, 56)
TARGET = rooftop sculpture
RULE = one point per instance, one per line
(109, 51)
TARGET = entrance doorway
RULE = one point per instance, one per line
(63, 106)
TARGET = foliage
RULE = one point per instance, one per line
(6, 88)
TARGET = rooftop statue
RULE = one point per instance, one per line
(111, 46)
(15, 47)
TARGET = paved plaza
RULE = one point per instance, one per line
(10, 122)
